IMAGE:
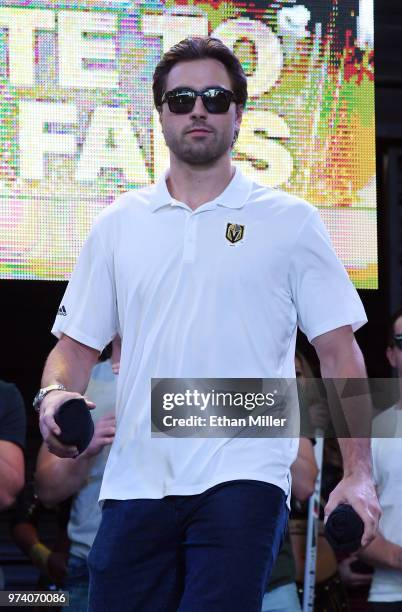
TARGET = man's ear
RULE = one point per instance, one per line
(391, 356)
(239, 115)
(159, 111)
(238, 118)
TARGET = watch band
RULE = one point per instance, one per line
(43, 392)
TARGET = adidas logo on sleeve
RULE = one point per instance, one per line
(62, 311)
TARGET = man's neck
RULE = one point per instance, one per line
(195, 185)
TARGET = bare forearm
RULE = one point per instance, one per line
(346, 361)
(338, 368)
(25, 536)
(356, 455)
(342, 361)
(382, 553)
(69, 363)
(304, 471)
(59, 479)
(303, 481)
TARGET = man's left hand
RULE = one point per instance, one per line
(358, 490)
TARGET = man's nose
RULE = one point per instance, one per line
(199, 109)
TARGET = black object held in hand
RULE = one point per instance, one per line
(76, 424)
(344, 529)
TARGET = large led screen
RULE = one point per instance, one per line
(78, 125)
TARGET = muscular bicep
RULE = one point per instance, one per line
(87, 353)
(333, 341)
(70, 363)
(339, 353)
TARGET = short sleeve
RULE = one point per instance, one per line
(88, 310)
(12, 415)
(322, 291)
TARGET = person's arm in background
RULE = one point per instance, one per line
(56, 478)
(12, 441)
(25, 535)
(341, 358)
(11, 473)
(382, 553)
(70, 363)
(304, 471)
(24, 532)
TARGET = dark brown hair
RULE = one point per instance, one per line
(391, 330)
(200, 47)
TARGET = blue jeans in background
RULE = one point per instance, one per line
(282, 599)
(77, 584)
(209, 552)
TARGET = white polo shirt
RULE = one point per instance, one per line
(189, 303)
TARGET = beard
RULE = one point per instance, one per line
(202, 151)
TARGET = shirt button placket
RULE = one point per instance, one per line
(190, 238)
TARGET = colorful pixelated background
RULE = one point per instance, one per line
(77, 123)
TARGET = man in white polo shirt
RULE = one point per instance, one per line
(204, 275)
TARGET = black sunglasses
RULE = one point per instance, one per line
(398, 341)
(182, 99)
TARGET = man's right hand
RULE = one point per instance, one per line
(48, 426)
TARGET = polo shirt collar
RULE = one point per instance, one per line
(235, 195)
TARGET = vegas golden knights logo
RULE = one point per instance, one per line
(234, 232)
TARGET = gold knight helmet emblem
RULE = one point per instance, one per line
(234, 232)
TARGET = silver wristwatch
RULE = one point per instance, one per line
(43, 392)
